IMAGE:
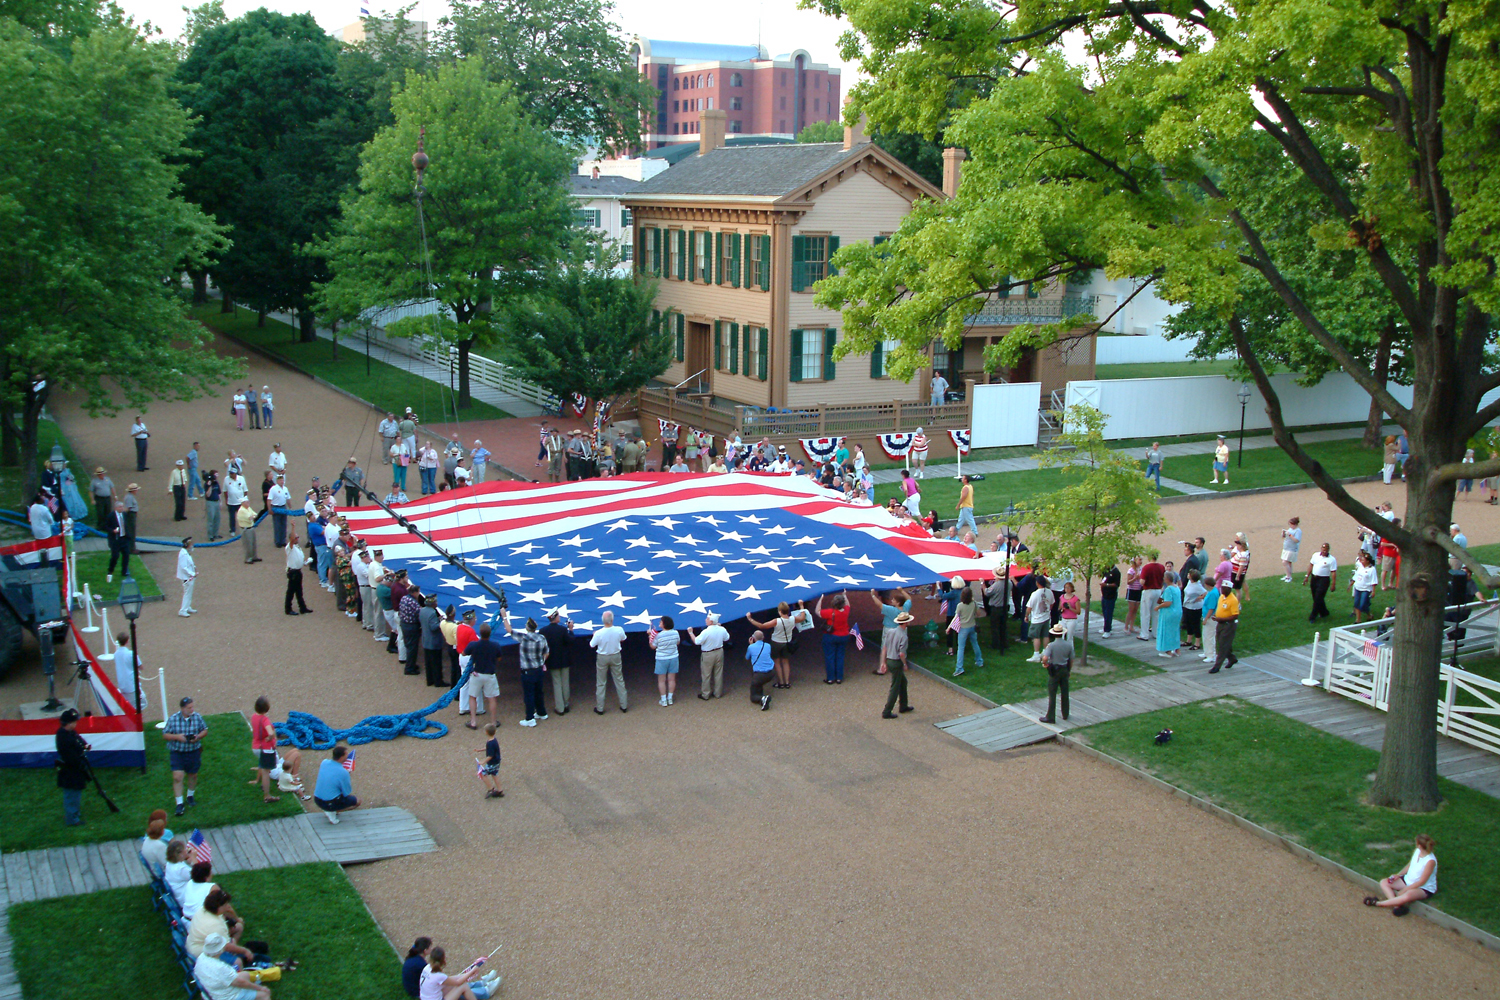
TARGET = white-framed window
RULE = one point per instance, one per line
(710, 104)
(674, 250)
(880, 358)
(755, 365)
(940, 357)
(710, 79)
(700, 254)
(811, 360)
(815, 258)
(627, 250)
(587, 217)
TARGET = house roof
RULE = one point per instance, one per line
(679, 151)
(607, 186)
(751, 171)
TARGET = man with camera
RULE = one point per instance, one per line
(72, 766)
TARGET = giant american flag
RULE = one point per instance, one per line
(646, 545)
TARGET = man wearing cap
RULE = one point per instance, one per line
(574, 455)
(221, 980)
(236, 492)
(353, 477)
(245, 522)
(464, 634)
(1057, 658)
(559, 635)
(102, 489)
(893, 649)
(1226, 621)
(72, 766)
(389, 431)
(177, 485)
(187, 572)
(711, 656)
(762, 669)
(132, 503)
(184, 732)
(295, 561)
(278, 496)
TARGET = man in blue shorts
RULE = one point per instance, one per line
(184, 735)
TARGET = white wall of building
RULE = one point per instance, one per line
(1143, 314)
(637, 168)
(1208, 404)
(1150, 348)
(1005, 415)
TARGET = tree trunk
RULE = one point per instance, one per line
(260, 319)
(1407, 778)
(200, 287)
(10, 452)
(307, 324)
(1372, 437)
(464, 346)
(226, 304)
(25, 435)
(334, 329)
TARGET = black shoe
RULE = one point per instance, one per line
(1400, 911)
(703, 697)
(908, 708)
(411, 672)
(305, 611)
(623, 710)
(887, 715)
(292, 613)
(598, 711)
(839, 681)
(1214, 670)
(190, 800)
(255, 560)
(1230, 664)
(765, 703)
(1046, 721)
(180, 809)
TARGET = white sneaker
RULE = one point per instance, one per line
(528, 723)
(332, 818)
(1034, 658)
(541, 718)
(670, 698)
(109, 578)
(183, 614)
(662, 701)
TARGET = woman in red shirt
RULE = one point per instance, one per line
(263, 742)
(836, 621)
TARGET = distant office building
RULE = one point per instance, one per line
(352, 34)
(760, 95)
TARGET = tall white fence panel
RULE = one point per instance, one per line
(1149, 348)
(1207, 404)
(1005, 415)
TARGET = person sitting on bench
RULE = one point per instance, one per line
(334, 791)
(222, 980)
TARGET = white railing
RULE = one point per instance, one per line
(1356, 663)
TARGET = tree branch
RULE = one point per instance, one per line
(1447, 544)
(1452, 472)
(1267, 268)
(1481, 419)
(1334, 490)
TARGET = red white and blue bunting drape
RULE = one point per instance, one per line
(896, 445)
(821, 449)
(960, 440)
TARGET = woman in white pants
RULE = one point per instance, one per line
(1390, 458)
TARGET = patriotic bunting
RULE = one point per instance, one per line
(895, 445)
(580, 404)
(821, 449)
(960, 440)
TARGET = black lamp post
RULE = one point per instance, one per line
(1244, 397)
(131, 603)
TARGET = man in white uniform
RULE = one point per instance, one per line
(187, 572)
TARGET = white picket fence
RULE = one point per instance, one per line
(1356, 662)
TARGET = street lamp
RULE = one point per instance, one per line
(131, 603)
(1244, 397)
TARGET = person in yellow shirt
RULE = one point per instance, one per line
(1226, 620)
(966, 508)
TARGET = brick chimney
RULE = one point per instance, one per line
(856, 134)
(953, 165)
(710, 130)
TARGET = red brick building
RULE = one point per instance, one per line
(759, 94)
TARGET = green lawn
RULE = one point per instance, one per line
(1310, 786)
(1164, 369)
(114, 942)
(991, 495)
(48, 433)
(387, 386)
(1344, 459)
(1010, 678)
(91, 570)
(31, 809)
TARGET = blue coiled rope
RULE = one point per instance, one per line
(308, 732)
(82, 530)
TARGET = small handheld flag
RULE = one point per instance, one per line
(953, 625)
(201, 850)
(349, 762)
(859, 639)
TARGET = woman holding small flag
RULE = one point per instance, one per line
(836, 639)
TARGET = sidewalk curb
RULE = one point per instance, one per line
(1436, 916)
(1258, 490)
(957, 688)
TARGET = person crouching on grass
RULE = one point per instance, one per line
(489, 768)
(334, 792)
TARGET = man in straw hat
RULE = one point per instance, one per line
(893, 649)
(221, 980)
(1057, 658)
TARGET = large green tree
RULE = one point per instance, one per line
(565, 61)
(590, 330)
(496, 212)
(92, 227)
(276, 143)
(1105, 135)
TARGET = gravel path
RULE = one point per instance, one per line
(710, 850)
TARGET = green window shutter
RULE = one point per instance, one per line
(877, 361)
(682, 255)
(745, 361)
(735, 243)
(681, 337)
(718, 345)
(799, 264)
(1004, 292)
(764, 278)
(833, 248)
(734, 348)
(878, 240)
(765, 337)
(830, 337)
(1031, 290)
(795, 373)
(656, 320)
(656, 248)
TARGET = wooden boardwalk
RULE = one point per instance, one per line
(1271, 680)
